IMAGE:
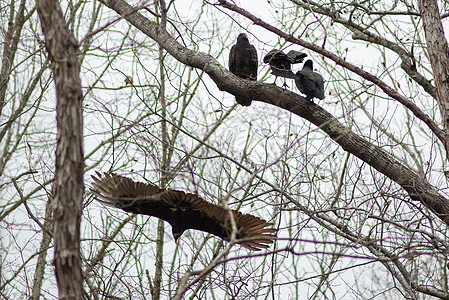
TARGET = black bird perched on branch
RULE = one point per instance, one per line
(310, 83)
(243, 63)
(281, 63)
(182, 210)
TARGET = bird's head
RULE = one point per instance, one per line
(242, 36)
(308, 64)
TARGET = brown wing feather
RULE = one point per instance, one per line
(134, 197)
(201, 215)
(181, 210)
(254, 232)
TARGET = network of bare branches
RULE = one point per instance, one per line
(356, 183)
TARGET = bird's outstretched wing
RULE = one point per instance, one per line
(296, 56)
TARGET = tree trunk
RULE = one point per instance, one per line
(438, 53)
(67, 203)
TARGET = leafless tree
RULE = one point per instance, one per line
(356, 183)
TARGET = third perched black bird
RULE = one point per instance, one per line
(310, 83)
(243, 62)
(280, 62)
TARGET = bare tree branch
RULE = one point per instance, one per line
(156, 286)
(362, 33)
(441, 134)
(41, 260)
(11, 41)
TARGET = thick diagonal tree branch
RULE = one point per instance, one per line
(417, 187)
(69, 169)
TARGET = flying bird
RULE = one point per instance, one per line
(243, 63)
(281, 63)
(310, 83)
(182, 210)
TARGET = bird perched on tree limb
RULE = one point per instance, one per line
(243, 63)
(281, 63)
(182, 210)
(310, 83)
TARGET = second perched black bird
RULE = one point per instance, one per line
(280, 62)
(243, 63)
(310, 83)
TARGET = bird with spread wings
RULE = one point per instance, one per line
(182, 210)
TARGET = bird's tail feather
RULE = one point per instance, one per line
(284, 73)
(243, 101)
